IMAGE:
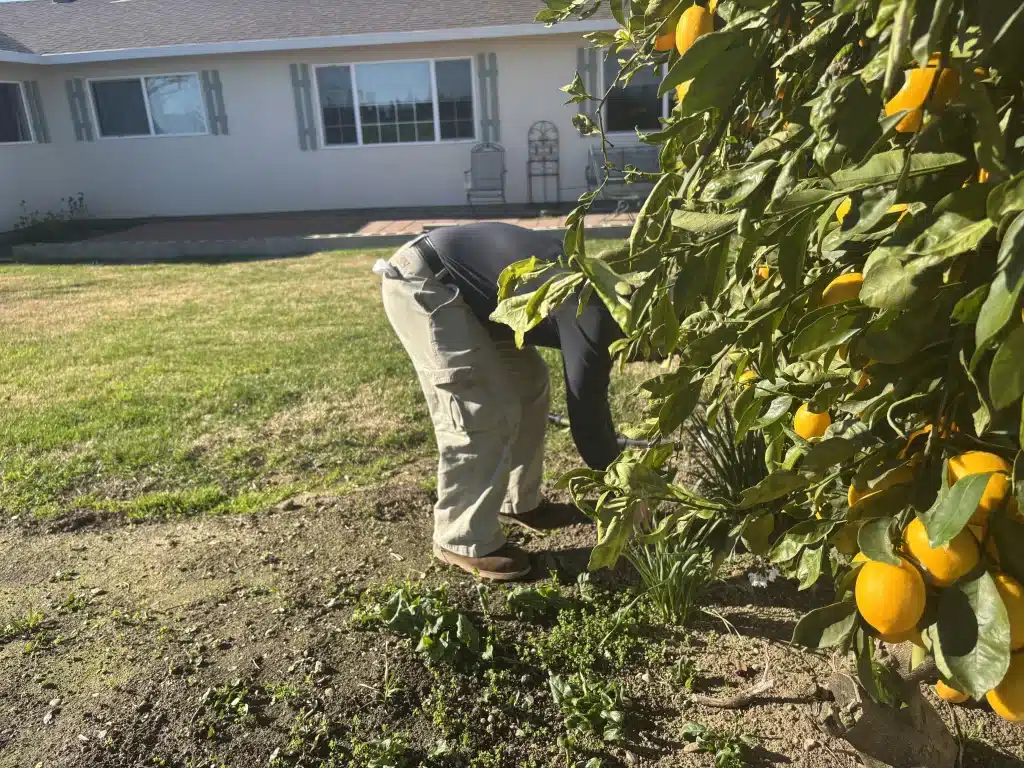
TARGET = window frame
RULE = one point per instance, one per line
(95, 114)
(28, 115)
(666, 108)
(354, 78)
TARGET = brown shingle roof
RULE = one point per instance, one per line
(47, 27)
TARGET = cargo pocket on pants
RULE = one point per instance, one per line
(472, 406)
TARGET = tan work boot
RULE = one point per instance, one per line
(506, 564)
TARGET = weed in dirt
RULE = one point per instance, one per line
(73, 604)
(313, 741)
(29, 624)
(390, 752)
(683, 673)
(730, 748)
(673, 574)
(528, 602)
(590, 708)
(606, 635)
(390, 685)
(225, 705)
(425, 615)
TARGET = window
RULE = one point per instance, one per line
(636, 105)
(164, 105)
(13, 115)
(400, 102)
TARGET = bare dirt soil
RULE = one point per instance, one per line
(228, 642)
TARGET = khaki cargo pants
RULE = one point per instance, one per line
(488, 402)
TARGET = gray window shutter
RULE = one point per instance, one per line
(35, 111)
(79, 109)
(487, 85)
(302, 86)
(586, 65)
(213, 95)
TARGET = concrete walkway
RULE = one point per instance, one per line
(278, 235)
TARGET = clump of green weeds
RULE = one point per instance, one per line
(673, 573)
(426, 616)
(226, 704)
(683, 672)
(589, 708)
(313, 741)
(730, 748)
(527, 602)
(23, 627)
(389, 752)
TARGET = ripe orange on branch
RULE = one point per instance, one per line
(915, 91)
(943, 564)
(695, 22)
(843, 288)
(952, 695)
(891, 598)
(1007, 698)
(976, 463)
(808, 425)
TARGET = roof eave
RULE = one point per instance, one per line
(312, 43)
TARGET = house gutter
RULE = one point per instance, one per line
(313, 43)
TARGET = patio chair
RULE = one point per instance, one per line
(485, 179)
(642, 157)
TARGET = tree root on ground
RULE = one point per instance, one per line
(743, 698)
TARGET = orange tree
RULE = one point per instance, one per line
(834, 249)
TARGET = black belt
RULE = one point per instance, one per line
(430, 256)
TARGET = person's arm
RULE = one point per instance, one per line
(587, 365)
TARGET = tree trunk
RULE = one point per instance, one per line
(911, 737)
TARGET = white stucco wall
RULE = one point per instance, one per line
(35, 173)
(259, 167)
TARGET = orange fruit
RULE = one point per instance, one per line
(977, 462)
(947, 693)
(747, 378)
(843, 288)
(808, 425)
(1007, 698)
(666, 41)
(983, 175)
(980, 532)
(900, 476)
(695, 22)
(860, 557)
(763, 272)
(890, 598)
(914, 92)
(943, 564)
(1013, 598)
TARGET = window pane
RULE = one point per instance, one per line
(637, 105)
(176, 104)
(334, 85)
(13, 120)
(455, 96)
(426, 131)
(394, 93)
(120, 108)
(407, 132)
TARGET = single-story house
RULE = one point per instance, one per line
(209, 107)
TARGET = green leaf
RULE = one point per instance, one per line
(950, 236)
(1006, 376)
(826, 627)
(832, 451)
(704, 223)
(809, 569)
(1008, 534)
(715, 86)
(611, 540)
(887, 167)
(829, 330)
(1001, 304)
(973, 635)
(810, 41)
(703, 54)
(968, 308)
(799, 536)
(793, 252)
(778, 484)
(733, 187)
(929, 42)
(876, 543)
(605, 282)
(779, 408)
(677, 408)
(1013, 242)
(953, 508)
(989, 144)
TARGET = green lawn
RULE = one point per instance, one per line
(170, 390)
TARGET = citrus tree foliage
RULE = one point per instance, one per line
(797, 151)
